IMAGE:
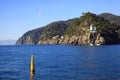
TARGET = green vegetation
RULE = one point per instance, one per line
(111, 18)
(53, 29)
(107, 25)
(79, 26)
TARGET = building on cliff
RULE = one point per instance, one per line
(93, 34)
(92, 28)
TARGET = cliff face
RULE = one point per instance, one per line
(86, 39)
(75, 32)
(44, 33)
(30, 37)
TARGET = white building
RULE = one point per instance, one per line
(92, 28)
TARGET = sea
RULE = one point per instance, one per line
(60, 62)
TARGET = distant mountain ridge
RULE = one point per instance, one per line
(7, 42)
(111, 17)
(77, 31)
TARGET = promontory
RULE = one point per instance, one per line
(88, 29)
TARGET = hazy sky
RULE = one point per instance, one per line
(19, 16)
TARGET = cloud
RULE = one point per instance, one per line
(39, 13)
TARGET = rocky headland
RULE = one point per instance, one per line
(77, 31)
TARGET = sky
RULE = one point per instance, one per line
(20, 16)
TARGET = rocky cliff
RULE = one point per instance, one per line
(75, 32)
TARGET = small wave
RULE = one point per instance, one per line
(8, 75)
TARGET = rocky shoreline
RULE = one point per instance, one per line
(75, 31)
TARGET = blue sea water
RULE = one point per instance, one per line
(58, 62)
